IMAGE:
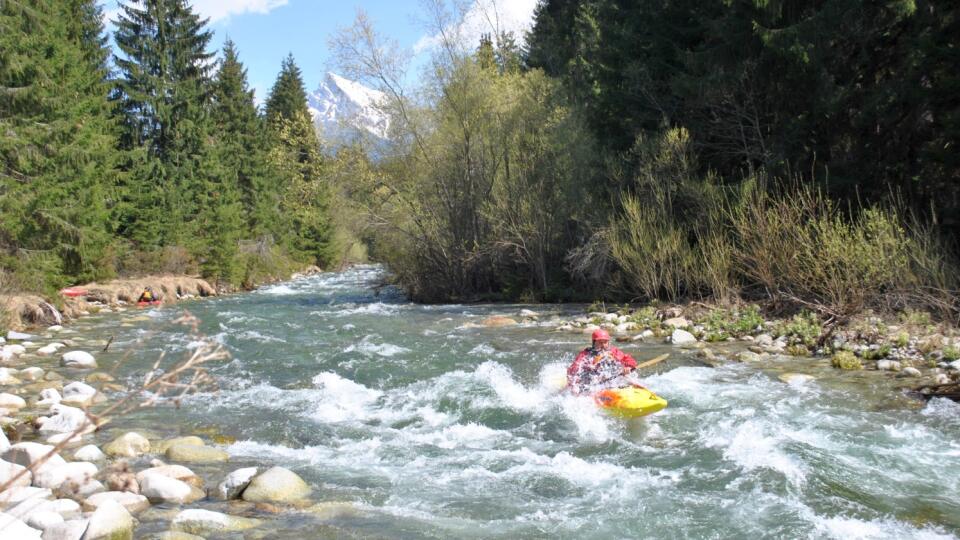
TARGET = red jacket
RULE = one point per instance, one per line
(588, 362)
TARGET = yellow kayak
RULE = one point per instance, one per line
(629, 402)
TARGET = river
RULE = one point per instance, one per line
(432, 427)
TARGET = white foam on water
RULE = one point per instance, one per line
(592, 425)
(752, 446)
(469, 435)
(943, 408)
(374, 308)
(510, 392)
(341, 399)
(253, 335)
(847, 528)
(483, 349)
(367, 347)
(278, 290)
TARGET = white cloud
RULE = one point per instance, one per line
(486, 17)
(221, 9)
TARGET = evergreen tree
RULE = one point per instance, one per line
(163, 93)
(305, 195)
(56, 153)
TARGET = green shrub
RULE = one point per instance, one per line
(802, 329)
(902, 340)
(797, 350)
(951, 353)
(846, 360)
(879, 353)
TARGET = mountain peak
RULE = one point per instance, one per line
(343, 109)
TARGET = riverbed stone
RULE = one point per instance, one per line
(889, 365)
(66, 419)
(78, 360)
(49, 396)
(8, 377)
(682, 337)
(65, 508)
(79, 394)
(191, 453)
(162, 446)
(276, 484)
(159, 488)
(911, 372)
(110, 521)
(133, 502)
(72, 529)
(129, 444)
(178, 472)
(796, 379)
(43, 520)
(174, 535)
(31, 373)
(196, 521)
(11, 401)
(497, 321)
(90, 453)
(233, 485)
(10, 470)
(677, 322)
(4, 441)
(15, 529)
(27, 453)
(747, 356)
(76, 472)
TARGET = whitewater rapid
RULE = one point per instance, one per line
(427, 425)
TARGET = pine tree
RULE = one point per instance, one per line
(163, 93)
(305, 195)
(56, 153)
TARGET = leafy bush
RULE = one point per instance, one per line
(846, 360)
(802, 329)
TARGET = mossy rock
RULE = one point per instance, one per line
(162, 446)
(846, 360)
(190, 453)
(797, 350)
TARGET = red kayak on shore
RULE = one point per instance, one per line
(73, 292)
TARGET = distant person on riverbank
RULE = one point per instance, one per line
(148, 296)
(598, 364)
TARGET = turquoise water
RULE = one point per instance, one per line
(431, 427)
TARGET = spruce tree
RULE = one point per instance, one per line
(305, 194)
(56, 153)
(241, 142)
(163, 93)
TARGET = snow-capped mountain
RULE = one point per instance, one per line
(343, 109)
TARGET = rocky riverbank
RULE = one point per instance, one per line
(68, 471)
(910, 347)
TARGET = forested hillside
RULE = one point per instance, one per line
(148, 158)
(800, 154)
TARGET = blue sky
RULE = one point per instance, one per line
(266, 30)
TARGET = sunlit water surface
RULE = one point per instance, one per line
(432, 427)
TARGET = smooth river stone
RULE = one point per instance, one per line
(190, 453)
(195, 521)
(129, 444)
(191, 440)
(78, 359)
(276, 484)
(131, 501)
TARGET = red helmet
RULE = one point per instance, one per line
(600, 335)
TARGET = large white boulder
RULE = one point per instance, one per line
(8, 377)
(43, 520)
(234, 483)
(19, 335)
(31, 373)
(276, 484)
(204, 522)
(79, 360)
(163, 489)
(68, 530)
(49, 396)
(682, 337)
(66, 419)
(65, 508)
(76, 472)
(178, 472)
(4, 442)
(131, 501)
(78, 393)
(9, 471)
(11, 401)
(130, 444)
(13, 529)
(14, 495)
(28, 453)
(109, 521)
(89, 452)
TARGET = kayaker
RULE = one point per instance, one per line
(598, 364)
